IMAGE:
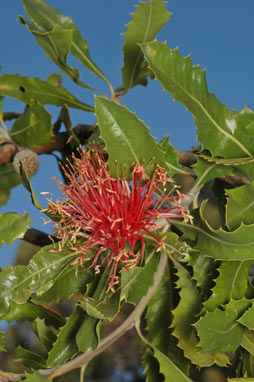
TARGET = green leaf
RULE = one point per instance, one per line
(220, 244)
(2, 344)
(105, 309)
(148, 19)
(29, 358)
(13, 226)
(248, 340)
(168, 368)
(30, 311)
(9, 179)
(187, 84)
(151, 366)
(71, 279)
(203, 268)
(27, 184)
(232, 282)
(159, 317)
(184, 316)
(19, 282)
(88, 335)
(247, 319)
(29, 90)
(45, 18)
(219, 331)
(135, 282)
(33, 128)
(170, 156)
(44, 333)
(128, 140)
(206, 171)
(35, 377)
(240, 206)
(65, 347)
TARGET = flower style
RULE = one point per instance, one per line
(108, 216)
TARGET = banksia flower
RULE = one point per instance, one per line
(105, 218)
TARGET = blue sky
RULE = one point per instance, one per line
(218, 34)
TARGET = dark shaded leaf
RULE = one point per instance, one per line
(29, 358)
(9, 179)
(2, 344)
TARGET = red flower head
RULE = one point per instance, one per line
(108, 216)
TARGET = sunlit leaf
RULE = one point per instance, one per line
(187, 84)
(19, 282)
(248, 340)
(184, 316)
(148, 19)
(29, 90)
(240, 206)
(33, 128)
(71, 279)
(247, 319)
(232, 282)
(220, 244)
(219, 331)
(127, 138)
(35, 377)
(45, 18)
(65, 347)
(13, 226)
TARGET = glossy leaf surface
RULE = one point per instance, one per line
(148, 19)
(45, 18)
(28, 90)
(127, 138)
(187, 84)
(19, 282)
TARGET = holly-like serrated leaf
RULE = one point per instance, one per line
(247, 319)
(184, 316)
(203, 268)
(148, 19)
(220, 244)
(135, 282)
(127, 138)
(88, 335)
(44, 333)
(9, 179)
(29, 90)
(19, 282)
(65, 347)
(30, 359)
(30, 311)
(170, 156)
(45, 18)
(13, 226)
(187, 84)
(232, 282)
(248, 341)
(33, 128)
(206, 171)
(219, 331)
(2, 343)
(71, 280)
(159, 317)
(240, 206)
(105, 309)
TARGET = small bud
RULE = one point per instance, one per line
(29, 159)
